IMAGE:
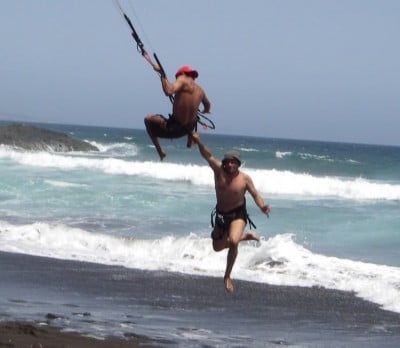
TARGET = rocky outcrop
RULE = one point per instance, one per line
(38, 139)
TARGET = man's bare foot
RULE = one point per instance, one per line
(162, 154)
(228, 284)
(251, 236)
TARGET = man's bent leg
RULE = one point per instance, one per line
(220, 239)
(232, 254)
(189, 142)
(149, 121)
(235, 236)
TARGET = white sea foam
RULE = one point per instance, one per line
(127, 149)
(282, 154)
(248, 149)
(278, 260)
(290, 183)
(59, 183)
(317, 157)
(269, 181)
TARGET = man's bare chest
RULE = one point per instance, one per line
(232, 185)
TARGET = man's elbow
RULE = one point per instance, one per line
(168, 92)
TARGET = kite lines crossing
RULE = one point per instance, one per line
(139, 43)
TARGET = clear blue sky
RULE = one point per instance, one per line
(318, 70)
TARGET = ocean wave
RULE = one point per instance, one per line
(309, 156)
(268, 181)
(248, 149)
(303, 184)
(282, 154)
(58, 183)
(277, 260)
(112, 149)
(315, 157)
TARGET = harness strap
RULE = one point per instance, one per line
(251, 223)
(213, 213)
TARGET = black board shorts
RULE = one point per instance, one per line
(170, 128)
(223, 220)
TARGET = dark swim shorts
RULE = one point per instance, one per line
(223, 220)
(171, 128)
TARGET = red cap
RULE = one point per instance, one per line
(188, 70)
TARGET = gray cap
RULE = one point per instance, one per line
(232, 155)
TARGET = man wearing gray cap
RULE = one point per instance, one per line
(230, 213)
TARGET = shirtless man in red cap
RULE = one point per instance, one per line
(230, 216)
(188, 96)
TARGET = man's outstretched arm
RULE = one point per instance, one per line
(205, 152)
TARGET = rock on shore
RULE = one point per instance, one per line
(39, 139)
(22, 334)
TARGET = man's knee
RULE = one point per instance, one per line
(236, 231)
(233, 242)
(219, 245)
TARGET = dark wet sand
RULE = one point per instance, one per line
(298, 314)
(22, 334)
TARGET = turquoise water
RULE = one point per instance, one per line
(334, 220)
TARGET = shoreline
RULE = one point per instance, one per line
(130, 307)
(26, 334)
